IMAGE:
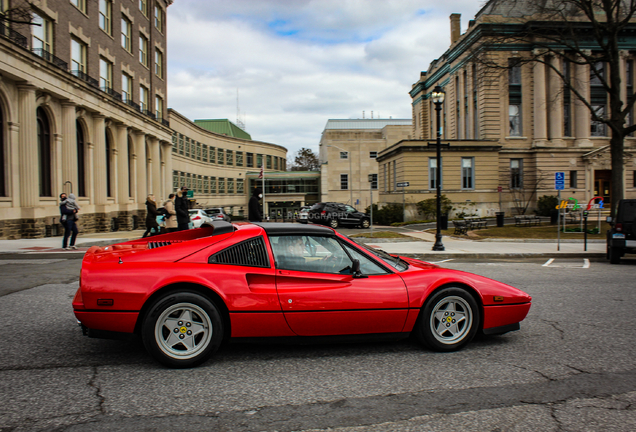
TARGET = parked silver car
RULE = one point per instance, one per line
(218, 214)
(199, 217)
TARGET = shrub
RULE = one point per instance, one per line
(390, 213)
(428, 207)
(546, 204)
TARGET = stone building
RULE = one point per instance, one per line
(82, 109)
(348, 151)
(509, 130)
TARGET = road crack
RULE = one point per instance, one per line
(98, 391)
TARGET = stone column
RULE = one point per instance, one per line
(166, 158)
(121, 138)
(555, 105)
(540, 105)
(155, 158)
(582, 115)
(28, 147)
(13, 185)
(99, 159)
(139, 139)
(69, 145)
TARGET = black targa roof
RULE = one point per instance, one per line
(273, 228)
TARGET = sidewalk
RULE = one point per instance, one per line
(420, 247)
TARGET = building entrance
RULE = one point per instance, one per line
(603, 186)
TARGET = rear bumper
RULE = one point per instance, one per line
(119, 322)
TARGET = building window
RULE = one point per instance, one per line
(126, 34)
(212, 185)
(432, 173)
(240, 186)
(220, 158)
(143, 50)
(458, 113)
(81, 159)
(212, 154)
(109, 165)
(80, 4)
(374, 181)
(198, 151)
(598, 99)
(78, 58)
(516, 173)
(250, 160)
(259, 160)
(344, 155)
(475, 105)
(158, 63)
(159, 18)
(394, 176)
(105, 16)
(221, 185)
(276, 163)
(206, 185)
(230, 186)
(158, 107)
(386, 188)
(42, 35)
(344, 181)
(143, 98)
(187, 147)
(573, 179)
(468, 173)
(44, 152)
(126, 87)
(239, 159)
(204, 154)
(268, 158)
(105, 74)
(629, 80)
(181, 145)
(229, 157)
(143, 7)
(567, 100)
(373, 155)
(200, 184)
(514, 100)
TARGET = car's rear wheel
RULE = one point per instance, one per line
(448, 320)
(333, 223)
(365, 223)
(182, 329)
(614, 255)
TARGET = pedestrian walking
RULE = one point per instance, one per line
(68, 222)
(170, 214)
(182, 209)
(151, 216)
(254, 208)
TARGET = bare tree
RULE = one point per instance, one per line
(20, 12)
(525, 193)
(579, 32)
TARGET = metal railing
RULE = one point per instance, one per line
(165, 122)
(13, 36)
(133, 104)
(111, 92)
(85, 77)
(50, 58)
(149, 114)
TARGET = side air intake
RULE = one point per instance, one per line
(250, 253)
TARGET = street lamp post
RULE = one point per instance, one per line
(438, 99)
(350, 182)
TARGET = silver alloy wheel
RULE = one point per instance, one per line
(365, 223)
(183, 331)
(333, 223)
(451, 320)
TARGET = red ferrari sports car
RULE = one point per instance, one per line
(185, 293)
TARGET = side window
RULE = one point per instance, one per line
(250, 253)
(311, 254)
(367, 267)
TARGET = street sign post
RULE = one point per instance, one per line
(559, 180)
(403, 185)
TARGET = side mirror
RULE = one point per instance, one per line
(608, 219)
(355, 269)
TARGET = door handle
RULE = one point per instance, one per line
(280, 272)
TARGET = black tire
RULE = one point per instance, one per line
(364, 223)
(333, 223)
(462, 312)
(614, 255)
(182, 316)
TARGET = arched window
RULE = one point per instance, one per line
(81, 160)
(109, 189)
(3, 168)
(130, 164)
(44, 152)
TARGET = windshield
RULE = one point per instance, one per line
(393, 261)
(213, 211)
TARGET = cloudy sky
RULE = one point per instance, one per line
(297, 63)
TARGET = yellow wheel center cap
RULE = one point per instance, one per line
(183, 329)
(449, 319)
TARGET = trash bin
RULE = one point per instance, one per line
(443, 221)
(500, 218)
(554, 217)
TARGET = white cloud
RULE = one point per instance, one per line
(297, 63)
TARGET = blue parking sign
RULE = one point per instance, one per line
(559, 180)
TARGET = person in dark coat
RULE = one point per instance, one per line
(182, 209)
(151, 215)
(254, 208)
(68, 221)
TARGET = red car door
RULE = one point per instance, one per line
(319, 295)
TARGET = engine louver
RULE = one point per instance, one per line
(156, 244)
(248, 253)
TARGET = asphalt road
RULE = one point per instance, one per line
(571, 367)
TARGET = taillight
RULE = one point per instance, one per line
(323, 212)
(196, 218)
(219, 216)
(619, 227)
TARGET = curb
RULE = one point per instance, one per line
(442, 255)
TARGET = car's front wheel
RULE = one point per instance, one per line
(333, 223)
(448, 320)
(182, 329)
(364, 223)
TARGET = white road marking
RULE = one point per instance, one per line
(439, 262)
(548, 262)
(586, 263)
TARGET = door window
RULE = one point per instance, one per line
(310, 254)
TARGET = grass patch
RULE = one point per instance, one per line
(548, 232)
(381, 234)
